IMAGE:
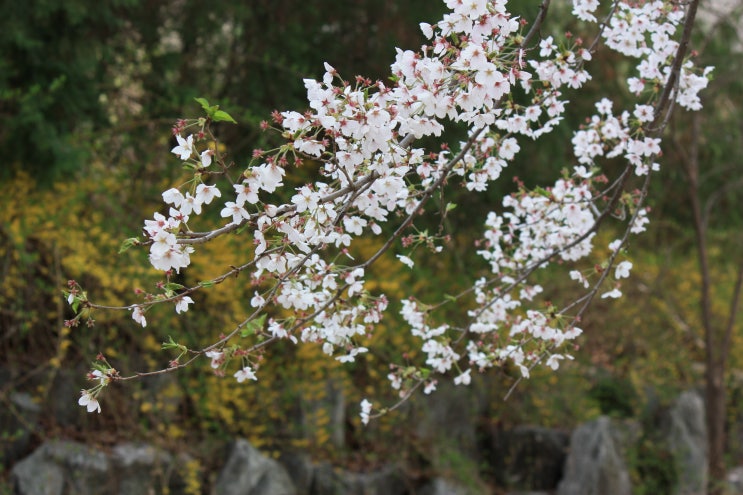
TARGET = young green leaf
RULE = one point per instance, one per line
(222, 116)
(172, 286)
(132, 241)
(203, 102)
(253, 326)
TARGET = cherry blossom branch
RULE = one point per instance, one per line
(665, 103)
(469, 73)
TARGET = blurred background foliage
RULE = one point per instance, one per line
(88, 92)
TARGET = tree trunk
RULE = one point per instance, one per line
(715, 404)
(716, 338)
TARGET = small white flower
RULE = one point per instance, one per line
(430, 387)
(89, 402)
(185, 147)
(464, 378)
(257, 301)
(614, 294)
(604, 106)
(217, 358)
(100, 376)
(366, 407)
(406, 261)
(615, 244)
(582, 172)
(237, 212)
(173, 197)
(181, 306)
(554, 361)
(578, 276)
(246, 373)
(622, 270)
(205, 194)
(138, 316)
(206, 158)
(426, 29)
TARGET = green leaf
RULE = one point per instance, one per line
(213, 111)
(206, 284)
(409, 371)
(132, 241)
(543, 192)
(450, 207)
(253, 326)
(172, 286)
(222, 116)
(170, 344)
(203, 102)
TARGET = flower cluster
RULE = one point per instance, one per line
(103, 374)
(646, 31)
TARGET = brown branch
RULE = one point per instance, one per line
(665, 103)
(537, 23)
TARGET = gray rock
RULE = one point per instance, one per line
(687, 440)
(300, 469)
(734, 481)
(36, 475)
(59, 464)
(331, 481)
(17, 422)
(328, 481)
(529, 457)
(248, 472)
(70, 468)
(448, 419)
(87, 470)
(441, 486)
(387, 481)
(595, 463)
(141, 469)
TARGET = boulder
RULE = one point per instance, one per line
(59, 464)
(37, 475)
(248, 472)
(687, 441)
(141, 469)
(331, 481)
(64, 468)
(447, 421)
(441, 486)
(734, 481)
(386, 481)
(595, 463)
(529, 457)
(300, 469)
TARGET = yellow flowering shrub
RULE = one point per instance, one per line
(74, 230)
